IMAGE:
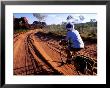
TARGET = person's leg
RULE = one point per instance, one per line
(75, 51)
(71, 52)
(69, 56)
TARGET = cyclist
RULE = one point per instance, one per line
(75, 42)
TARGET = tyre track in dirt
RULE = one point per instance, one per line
(27, 60)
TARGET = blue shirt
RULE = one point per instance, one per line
(75, 39)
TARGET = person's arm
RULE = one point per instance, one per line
(64, 41)
(67, 36)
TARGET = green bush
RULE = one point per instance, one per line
(20, 30)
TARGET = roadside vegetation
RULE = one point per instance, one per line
(20, 31)
(88, 31)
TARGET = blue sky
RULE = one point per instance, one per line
(56, 18)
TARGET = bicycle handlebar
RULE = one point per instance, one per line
(63, 42)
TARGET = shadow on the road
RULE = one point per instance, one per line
(85, 65)
(48, 36)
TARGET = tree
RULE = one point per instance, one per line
(39, 16)
(69, 17)
(93, 20)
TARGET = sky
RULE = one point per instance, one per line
(56, 18)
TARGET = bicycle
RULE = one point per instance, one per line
(83, 64)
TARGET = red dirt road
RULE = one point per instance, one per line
(35, 56)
